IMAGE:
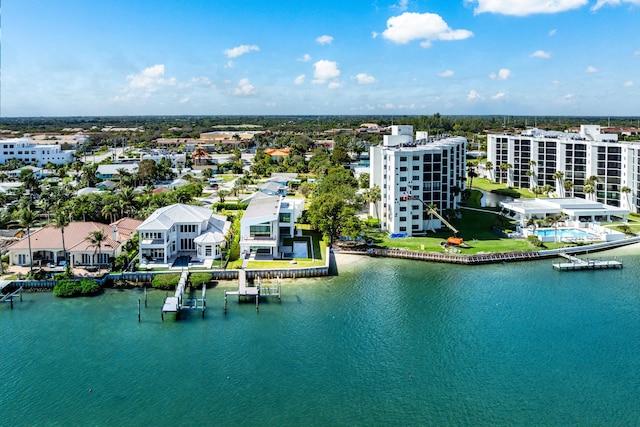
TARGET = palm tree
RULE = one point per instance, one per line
(373, 195)
(558, 176)
(626, 191)
(489, 168)
(568, 185)
(95, 239)
(60, 220)
(222, 194)
(471, 173)
(588, 190)
(26, 219)
(200, 153)
(504, 168)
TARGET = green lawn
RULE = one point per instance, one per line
(494, 187)
(476, 230)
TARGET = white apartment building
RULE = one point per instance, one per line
(431, 170)
(38, 154)
(535, 156)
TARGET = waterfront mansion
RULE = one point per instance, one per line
(183, 233)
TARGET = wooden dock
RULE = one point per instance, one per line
(576, 263)
(178, 302)
(9, 296)
(257, 291)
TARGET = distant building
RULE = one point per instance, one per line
(112, 170)
(39, 154)
(431, 170)
(535, 157)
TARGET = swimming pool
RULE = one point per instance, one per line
(563, 233)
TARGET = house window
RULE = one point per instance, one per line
(207, 251)
(285, 217)
(262, 230)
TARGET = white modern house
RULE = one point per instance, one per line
(566, 161)
(183, 233)
(413, 173)
(266, 222)
(39, 154)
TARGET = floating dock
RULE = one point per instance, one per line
(177, 302)
(576, 263)
(257, 291)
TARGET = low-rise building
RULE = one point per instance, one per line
(47, 248)
(25, 150)
(182, 231)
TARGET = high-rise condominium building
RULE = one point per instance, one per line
(415, 173)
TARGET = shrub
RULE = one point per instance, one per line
(229, 206)
(165, 281)
(534, 240)
(199, 278)
(73, 288)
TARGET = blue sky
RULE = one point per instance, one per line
(206, 57)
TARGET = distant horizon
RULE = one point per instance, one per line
(72, 58)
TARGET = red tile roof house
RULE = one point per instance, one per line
(46, 244)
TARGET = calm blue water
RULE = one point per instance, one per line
(388, 342)
(562, 232)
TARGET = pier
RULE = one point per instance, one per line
(253, 291)
(576, 263)
(178, 302)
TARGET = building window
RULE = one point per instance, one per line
(403, 208)
(403, 228)
(403, 218)
(262, 230)
(285, 217)
(403, 158)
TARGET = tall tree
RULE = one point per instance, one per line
(60, 220)
(95, 239)
(27, 219)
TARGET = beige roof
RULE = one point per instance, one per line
(75, 235)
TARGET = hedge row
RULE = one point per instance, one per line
(73, 288)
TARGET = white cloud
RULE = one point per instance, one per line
(569, 97)
(325, 71)
(427, 27)
(448, 73)
(601, 3)
(556, 83)
(502, 74)
(305, 58)
(241, 50)
(628, 84)
(474, 96)
(591, 69)
(499, 96)
(184, 100)
(229, 64)
(146, 82)
(402, 5)
(636, 53)
(553, 32)
(299, 80)
(334, 85)
(325, 39)
(541, 54)
(245, 88)
(365, 79)
(524, 8)
(202, 81)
